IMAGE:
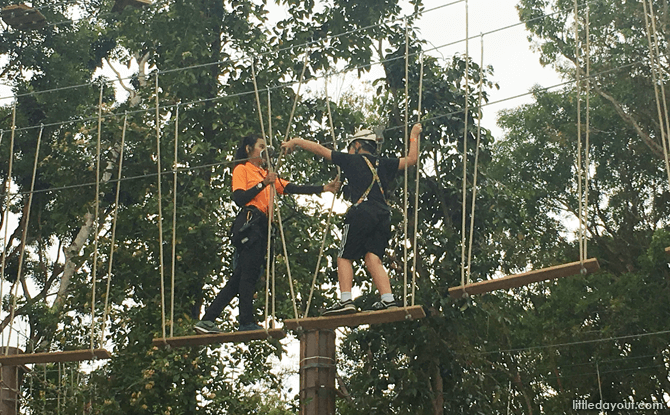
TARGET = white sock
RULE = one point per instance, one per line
(387, 298)
(345, 296)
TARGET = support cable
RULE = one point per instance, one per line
(174, 217)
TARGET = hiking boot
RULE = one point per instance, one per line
(340, 307)
(250, 327)
(383, 305)
(206, 327)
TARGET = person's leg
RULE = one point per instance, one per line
(224, 296)
(379, 276)
(345, 274)
(250, 265)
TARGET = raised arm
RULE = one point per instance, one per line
(413, 155)
(310, 146)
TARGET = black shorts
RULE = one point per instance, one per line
(366, 229)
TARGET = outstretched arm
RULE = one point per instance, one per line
(310, 146)
(413, 155)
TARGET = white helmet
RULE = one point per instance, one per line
(369, 136)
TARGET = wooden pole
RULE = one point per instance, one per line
(317, 372)
(9, 388)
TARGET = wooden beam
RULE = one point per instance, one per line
(204, 339)
(519, 280)
(667, 250)
(21, 17)
(54, 357)
(357, 319)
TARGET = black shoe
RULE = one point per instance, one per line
(250, 327)
(340, 307)
(383, 305)
(206, 327)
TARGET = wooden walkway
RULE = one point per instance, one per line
(357, 319)
(519, 280)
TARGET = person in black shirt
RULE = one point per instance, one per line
(367, 225)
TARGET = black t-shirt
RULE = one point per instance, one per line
(358, 174)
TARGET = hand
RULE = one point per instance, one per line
(416, 130)
(270, 178)
(289, 146)
(333, 186)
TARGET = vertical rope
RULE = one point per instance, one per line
(465, 147)
(579, 138)
(332, 205)
(272, 273)
(24, 236)
(175, 165)
(115, 216)
(405, 170)
(587, 143)
(268, 267)
(160, 209)
(416, 189)
(476, 167)
(5, 220)
(96, 229)
(655, 61)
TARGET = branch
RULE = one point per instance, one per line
(70, 267)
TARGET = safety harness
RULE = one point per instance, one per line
(375, 179)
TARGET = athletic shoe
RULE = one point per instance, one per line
(250, 327)
(341, 307)
(383, 305)
(206, 327)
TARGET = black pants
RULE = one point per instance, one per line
(251, 258)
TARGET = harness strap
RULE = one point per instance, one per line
(375, 179)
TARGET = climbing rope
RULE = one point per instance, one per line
(272, 191)
(5, 220)
(269, 323)
(332, 205)
(406, 169)
(656, 75)
(160, 210)
(174, 217)
(416, 189)
(279, 162)
(465, 150)
(476, 167)
(96, 221)
(15, 286)
(582, 258)
(115, 216)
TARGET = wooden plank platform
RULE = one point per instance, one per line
(204, 339)
(22, 17)
(519, 280)
(54, 357)
(357, 319)
(119, 5)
